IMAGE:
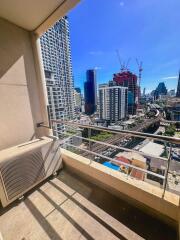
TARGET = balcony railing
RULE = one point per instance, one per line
(73, 140)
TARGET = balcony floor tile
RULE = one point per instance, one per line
(68, 207)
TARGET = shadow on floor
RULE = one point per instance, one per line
(100, 206)
(139, 222)
(50, 231)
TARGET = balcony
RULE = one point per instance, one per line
(86, 199)
(70, 207)
(90, 200)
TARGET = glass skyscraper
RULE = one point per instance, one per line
(178, 87)
(90, 92)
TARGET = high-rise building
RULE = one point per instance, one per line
(178, 87)
(152, 95)
(56, 54)
(173, 109)
(90, 92)
(55, 107)
(78, 102)
(113, 102)
(144, 92)
(78, 89)
(129, 80)
(160, 90)
(83, 103)
(172, 93)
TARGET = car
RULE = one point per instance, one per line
(175, 157)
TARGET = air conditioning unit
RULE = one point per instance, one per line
(24, 166)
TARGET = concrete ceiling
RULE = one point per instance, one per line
(35, 15)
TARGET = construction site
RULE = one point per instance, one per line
(126, 78)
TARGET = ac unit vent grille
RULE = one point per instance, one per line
(22, 173)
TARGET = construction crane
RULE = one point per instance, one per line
(139, 80)
(140, 71)
(127, 64)
(120, 62)
(124, 66)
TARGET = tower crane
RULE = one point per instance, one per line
(139, 80)
(121, 63)
(124, 66)
(127, 64)
(140, 71)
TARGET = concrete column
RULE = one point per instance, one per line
(41, 84)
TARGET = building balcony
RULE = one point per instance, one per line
(54, 188)
(88, 200)
(72, 207)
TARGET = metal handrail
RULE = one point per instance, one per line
(123, 163)
(125, 134)
(64, 142)
(167, 170)
(111, 145)
(132, 133)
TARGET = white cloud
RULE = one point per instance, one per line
(98, 68)
(171, 77)
(121, 4)
(95, 52)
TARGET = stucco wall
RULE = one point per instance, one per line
(19, 98)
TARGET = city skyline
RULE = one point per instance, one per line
(155, 42)
(99, 166)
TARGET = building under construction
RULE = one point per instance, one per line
(129, 79)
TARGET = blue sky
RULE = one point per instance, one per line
(143, 29)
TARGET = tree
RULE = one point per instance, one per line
(170, 130)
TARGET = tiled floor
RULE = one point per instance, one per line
(70, 208)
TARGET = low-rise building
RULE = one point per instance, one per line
(158, 149)
(136, 160)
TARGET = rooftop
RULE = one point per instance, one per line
(132, 156)
(158, 149)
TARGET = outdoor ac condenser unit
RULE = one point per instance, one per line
(24, 166)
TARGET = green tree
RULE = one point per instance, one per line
(170, 130)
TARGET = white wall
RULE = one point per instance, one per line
(20, 108)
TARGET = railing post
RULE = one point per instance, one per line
(127, 174)
(167, 170)
(89, 136)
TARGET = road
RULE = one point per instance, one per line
(117, 138)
